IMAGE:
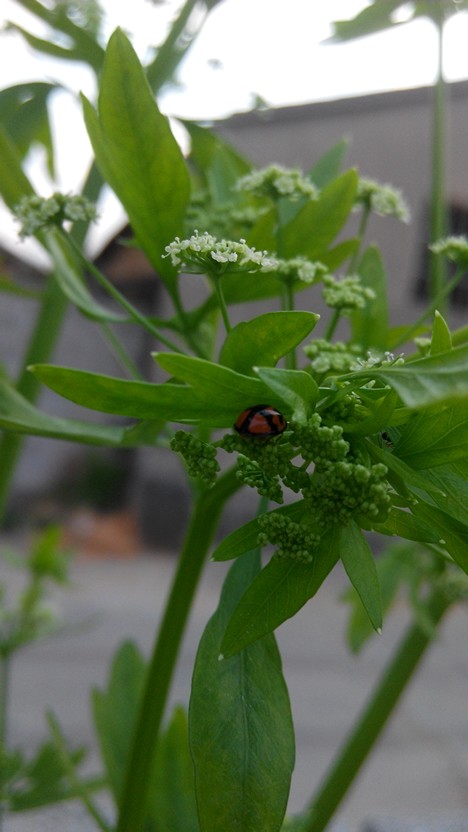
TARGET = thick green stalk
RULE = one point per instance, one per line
(437, 267)
(373, 719)
(4, 693)
(206, 512)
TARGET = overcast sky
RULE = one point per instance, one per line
(247, 48)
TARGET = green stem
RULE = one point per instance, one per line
(373, 719)
(332, 324)
(121, 353)
(437, 266)
(206, 512)
(222, 303)
(42, 341)
(360, 238)
(437, 303)
(121, 299)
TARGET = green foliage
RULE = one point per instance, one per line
(241, 732)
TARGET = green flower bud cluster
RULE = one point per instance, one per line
(250, 473)
(384, 200)
(346, 294)
(300, 269)
(273, 459)
(319, 443)
(35, 212)
(200, 457)
(346, 487)
(326, 358)
(454, 248)
(293, 540)
(221, 219)
(276, 181)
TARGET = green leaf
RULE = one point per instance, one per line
(279, 591)
(317, 224)
(245, 538)
(370, 325)
(374, 18)
(435, 438)
(114, 712)
(11, 288)
(403, 524)
(13, 182)
(173, 806)
(358, 561)
(138, 155)
(265, 339)
(294, 387)
(451, 495)
(329, 165)
(453, 533)
(426, 381)
(414, 480)
(213, 383)
(70, 279)
(241, 732)
(24, 116)
(441, 340)
(138, 399)
(20, 416)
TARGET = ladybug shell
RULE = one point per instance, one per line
(260, 421)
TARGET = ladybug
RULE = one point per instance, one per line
(260, 421)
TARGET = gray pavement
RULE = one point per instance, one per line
(417, 779)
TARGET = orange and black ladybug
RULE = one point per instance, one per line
(260, 421)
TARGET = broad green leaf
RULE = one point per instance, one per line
(435, 438)
(426, 381)
(414, 480)
(279, 591)
(265, 339)
(245, 538)
(220, 386)
(315, 227)
(453, 534)
(441, 340)
(138, 399)
(358, 561)
(329, 165)
(114, 712)
(372, 19)
(295, 387)
(401, 523)
(370, 325)
(13, 182)
(452, 494)
(241, 732)
(18, 415)
(137, 153)
(173, 807)
(70, 279)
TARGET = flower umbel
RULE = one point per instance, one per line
(300, 269)
(384, 200)
(454, 248)
(276, 181)
(346, 294)
(205, 254)
(35, 212)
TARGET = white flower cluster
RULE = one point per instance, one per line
(455, 248)
(387, 359)
(384, 200)
(346, 294)
(276, 181)
(203, 253)
(300, 268)
(35, 212)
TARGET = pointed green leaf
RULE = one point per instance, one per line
(114, 712)
(265, 339)
(315, 227)
(427, 381)
(279, 591)
(370, 325)
(329, 165)
(453, 533)
(137, 153)
(241, 732)
(374, 18)
(13, 182)
(173, 806)
(452, 498)
(403, 524)
(435, 438)
(441, 340)
(359, 564)
(295, 387)
(213, 383)
(20, 416)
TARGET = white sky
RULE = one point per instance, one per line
(247, 47)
